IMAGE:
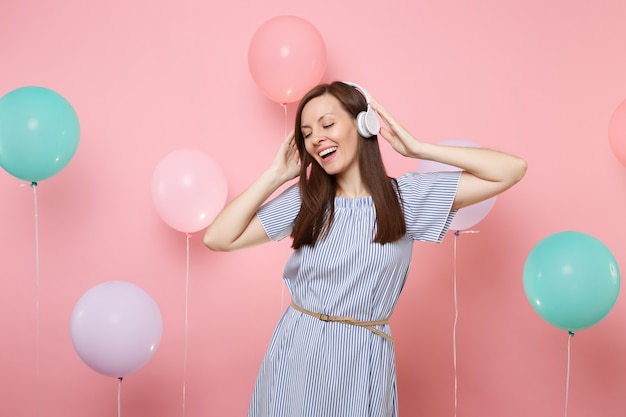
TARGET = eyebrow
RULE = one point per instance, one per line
(320, 118)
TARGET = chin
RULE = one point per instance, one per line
(330, 170)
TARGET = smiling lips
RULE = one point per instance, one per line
(324, 153)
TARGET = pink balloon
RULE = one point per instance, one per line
(116, 328)
(467, 216)
(617, 132)
(286, 58)
(188, 190)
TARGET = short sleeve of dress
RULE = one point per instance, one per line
(427, 201)
(279, 214)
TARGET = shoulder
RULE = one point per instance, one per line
(427, 200)
(415, 181)
(430, 188)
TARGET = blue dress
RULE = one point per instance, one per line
(314, 368)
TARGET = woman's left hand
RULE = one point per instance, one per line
(486, 172)
(398, 137)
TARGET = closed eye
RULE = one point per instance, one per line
(325, 126)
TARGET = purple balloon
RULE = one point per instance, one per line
(467, 216)
(116, 328)
(471, 215)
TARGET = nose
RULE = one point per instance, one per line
(317, 138)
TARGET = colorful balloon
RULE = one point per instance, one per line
(116, 328)
(467, 216)
(286, 58)
(188, 190)
(617, 132)
(572, 280)
(39, 133)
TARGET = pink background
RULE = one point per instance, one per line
(536, 78)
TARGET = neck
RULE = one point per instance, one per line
(351, 189)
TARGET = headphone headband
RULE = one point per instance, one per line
(360, 90)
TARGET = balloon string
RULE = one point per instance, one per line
(282, 288)
(186, 327)
(33, 185)
(569, 359)
(456, 316)
(119, 396)
(284, 106)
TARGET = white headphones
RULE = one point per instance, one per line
(367, 123)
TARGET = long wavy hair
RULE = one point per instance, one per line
(318, 189)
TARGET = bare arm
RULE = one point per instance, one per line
(486, 172)
(237, 226)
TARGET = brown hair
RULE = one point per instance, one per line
(318, 189)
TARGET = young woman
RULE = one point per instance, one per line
(353, 229)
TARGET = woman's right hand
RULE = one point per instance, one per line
(287, 160)
(237, 226)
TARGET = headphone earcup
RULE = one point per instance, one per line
(371, 121)
(367, 123)
(361, 125)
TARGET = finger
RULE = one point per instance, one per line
(387, 117)
(386, 134)
(382, 112)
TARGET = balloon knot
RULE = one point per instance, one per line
(120, 378)
(571, 333)
(188, 234)
(33, 184)
(457, 232)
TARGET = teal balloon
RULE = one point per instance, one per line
(572, 280)
(39, 133)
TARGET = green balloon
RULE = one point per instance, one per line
(572, 280)
(39, 133)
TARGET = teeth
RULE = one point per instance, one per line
(327, 151)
